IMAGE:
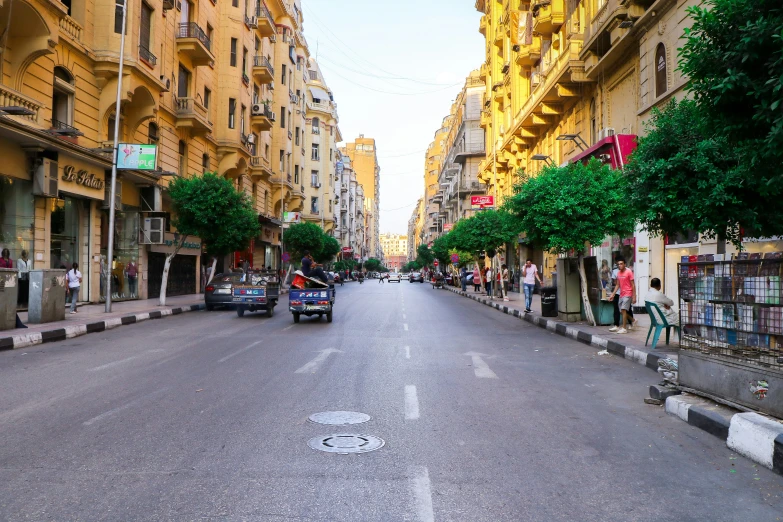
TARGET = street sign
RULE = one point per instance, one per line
(455, 258)
(435, 262)
(482, 201)
(286, 257)
(133, 156)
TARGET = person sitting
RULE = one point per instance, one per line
(664, 303)
(313, 270)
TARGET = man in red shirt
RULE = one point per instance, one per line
(627, 288)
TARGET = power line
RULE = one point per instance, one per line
(389, 92)
(399, 208)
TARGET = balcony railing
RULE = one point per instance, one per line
(192, 30)
(147, 56)
(263, 61)
(263, 12)
(64, 129)
(12, 98)
(72, 28)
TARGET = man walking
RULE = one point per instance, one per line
(488, 278)
(627, 290)
(530, 276)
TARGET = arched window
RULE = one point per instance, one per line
(661, 77)
(153, 133)
(183, 158)
(62, 98)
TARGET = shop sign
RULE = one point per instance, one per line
(447, 227)
(347, 249)
(81, 177)
(191, 247)
(482, 201)
(133, 156)
(269, 235)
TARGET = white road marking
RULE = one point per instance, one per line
(422, 493)
(123, 407)
(411, 402)
(405, 326)
(313, 365)
(288, 328)
(243, 350)
(407, 352)
(480, 368)
(404, 316)
(111, 364)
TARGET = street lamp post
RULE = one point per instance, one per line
(110, 253)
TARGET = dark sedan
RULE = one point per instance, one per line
(416, 277)
(218, 291)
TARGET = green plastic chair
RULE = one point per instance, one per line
(656, 325)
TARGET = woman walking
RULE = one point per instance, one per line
(74, 283)
(476, 279)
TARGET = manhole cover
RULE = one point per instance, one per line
(339, 418)
(345, 443)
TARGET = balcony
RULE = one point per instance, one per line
(260, 167)
(263, 71)
(483, 25)
(468, 150)
(147, 57)
(192, 41)
(60, 128)
(325, 107)
(266, 24)
(192, 115)
(263, 119)
(529, 54)
(71, 28)
(10, 98)
(548, 16)
(606, 28)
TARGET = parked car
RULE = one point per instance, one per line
(219, 291)
(416, 277)
(394, 277)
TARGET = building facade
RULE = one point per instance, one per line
(349, 203)
(364, 157)
(434, 218)
(395, 251)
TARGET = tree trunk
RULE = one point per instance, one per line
(287, 274)
(583, 289)
(166, 266)
(212, 272)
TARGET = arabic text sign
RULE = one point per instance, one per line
(482, 201)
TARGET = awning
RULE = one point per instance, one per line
(319, 94)
(613, 150)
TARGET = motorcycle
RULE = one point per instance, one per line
(360, 278)
(338, 279)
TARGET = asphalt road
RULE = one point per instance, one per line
(484, 417)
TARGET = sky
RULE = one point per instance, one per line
(394, 69)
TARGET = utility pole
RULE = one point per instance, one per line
(110, 252)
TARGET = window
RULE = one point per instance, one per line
(232, 109)
(145, 28)
(282, 161)
(593, 129)
(210, 33)
(316, 126)
(62, 98)
(205, 162)
(257, 45)
(153, 133)
(207, 97)
(661, 77)
(234, 3)
(330, 205)
(118, 16)
(110, 128)
(253, 144)
(183, 82)
(296, 174)
(296, 134)
(244, 59)
(282, 117)
(331, 156)
(266, 150)
(316, 153)
(314, 205)
(183, 158)
(284, 74)
(242, 114)
(233, 59)
(256, 93)
(314, 178)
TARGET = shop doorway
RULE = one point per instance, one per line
(182, 275)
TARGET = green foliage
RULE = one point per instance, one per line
(424, 256)
(465, 258)
(440, 249)
(733, 57)
(303, 237)
(564, 207)
(682, 178)
(209, 207)
(411, 266)
(345, 264)
(330, 249)
(487, 231)
(372, 265)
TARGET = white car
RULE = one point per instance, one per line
(394, 278)
(405, 276)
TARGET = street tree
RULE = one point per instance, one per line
(330, 249)
(487, 231)
(424, 256)
(733, 59)
(372, 265)
(563, 209)
(208, 206)
(440, 249)
(303, 237)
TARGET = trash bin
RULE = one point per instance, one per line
(549, 301)
(9, 288)
(47, 296)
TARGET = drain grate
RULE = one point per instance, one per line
(345, 443)
(339, 418)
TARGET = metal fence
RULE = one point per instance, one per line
(733, 308)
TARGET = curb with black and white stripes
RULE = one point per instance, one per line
(648, 360)
(68, 332)
(750, 434)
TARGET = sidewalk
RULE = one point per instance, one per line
(92, 318)
(630, 345)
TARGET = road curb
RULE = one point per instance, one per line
(643, 358)
(60, 334)
(750, 434)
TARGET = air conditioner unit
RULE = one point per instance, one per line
(535, 79)
(271, 86)
(117, 196)
(153, 231)
(46, 179)
(257, 109)
(605, 133)
(167, 83)
(273, 38)
(252, 21)
(272, 117)
(168, 5)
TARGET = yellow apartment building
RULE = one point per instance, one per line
(364, 158)
(433, 196)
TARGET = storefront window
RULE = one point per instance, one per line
(124, 266)
(64, 245)
(607, 254)
(17, 216)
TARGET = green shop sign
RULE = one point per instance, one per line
(133, 156)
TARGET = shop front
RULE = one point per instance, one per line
(184, 273)
(17, 228)
(267, 245)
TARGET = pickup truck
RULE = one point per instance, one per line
(257, 290)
